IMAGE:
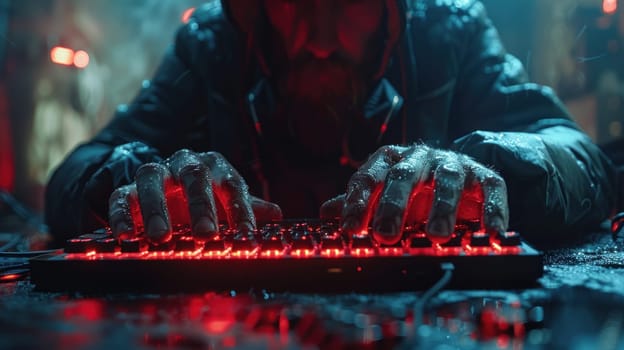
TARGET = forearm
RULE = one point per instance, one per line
(558, 181)
(65, 203)
(77, 194)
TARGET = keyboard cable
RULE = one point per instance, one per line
(419, 308)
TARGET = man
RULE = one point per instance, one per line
(410, 108)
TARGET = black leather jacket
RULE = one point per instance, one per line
(449, 84)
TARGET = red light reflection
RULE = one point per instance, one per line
(609, 7)
(62, 55)
(81, 59)
(186, 16)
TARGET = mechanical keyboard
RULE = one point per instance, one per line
(287, 256)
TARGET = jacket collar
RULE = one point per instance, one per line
(383, 104)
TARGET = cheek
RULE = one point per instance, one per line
(360, 24)
(293, 33)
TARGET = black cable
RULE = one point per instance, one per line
(29, 254)
(9, 268)
(419, 309)
(22, 211)
(12, 243)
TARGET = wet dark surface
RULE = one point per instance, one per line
(579, 305)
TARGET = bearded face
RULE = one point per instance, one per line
(324, 54)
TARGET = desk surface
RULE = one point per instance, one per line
(580, 302)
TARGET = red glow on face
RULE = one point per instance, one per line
(62, 55)
(81, 59)
(324, 27)
(186, 16)
(609, 7)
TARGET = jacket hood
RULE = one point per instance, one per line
(248, 17)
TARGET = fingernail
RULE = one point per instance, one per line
(439, 228)
(387, 231)
(157, 230)
(204, 229)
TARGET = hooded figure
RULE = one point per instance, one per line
(440, 77)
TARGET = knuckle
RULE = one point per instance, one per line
(195, 170)
(182, 154)
(491, 179)
(400, 172)
(362, 178)
(213, 156)
(151, 168)
(235, 183)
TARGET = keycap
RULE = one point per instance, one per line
(79, 245)
(106, 245)
(509, 239)
(479, 239)
(133, 245)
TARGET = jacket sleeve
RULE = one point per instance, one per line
(558, 180)
(149, 128)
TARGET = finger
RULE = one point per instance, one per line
(449, 180)
(332, 208)
(365, 186)
(150, 183)
(265, 212)
(397, 195)
(232, 192)
(495, 206)
(121, 205)
(196, 181)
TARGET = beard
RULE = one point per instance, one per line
(319, 99)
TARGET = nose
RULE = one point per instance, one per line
(322, 21)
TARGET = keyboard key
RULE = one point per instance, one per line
(80, 245)
(479, 239)
(133, 245)
(106, 245)
(420, 240)
(509, 239)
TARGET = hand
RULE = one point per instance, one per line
(419, 183)
(182, 189)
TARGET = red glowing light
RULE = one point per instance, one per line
(245, 254)
(81, 59)
(609, 7)
(394, 251)
(218, 326)
(186, 16)
(273, 253)
(362, 252)
(302, 253)
(332, 253)
(10, 277)
(383, 128)
(62, 55)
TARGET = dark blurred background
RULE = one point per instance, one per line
(65, 65)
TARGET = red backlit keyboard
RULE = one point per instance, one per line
(293, 256)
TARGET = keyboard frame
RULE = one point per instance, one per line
(55, 272)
